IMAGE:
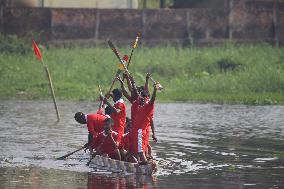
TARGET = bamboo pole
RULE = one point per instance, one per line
(51, 90)
(160, 87)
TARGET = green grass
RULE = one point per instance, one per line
(187, 74)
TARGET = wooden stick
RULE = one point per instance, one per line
(65, 156)
(134, 46)
(93, 156)
(101, 94)
(154, 82)
(52, 90)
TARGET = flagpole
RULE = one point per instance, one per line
(51, 90)
(39, 57)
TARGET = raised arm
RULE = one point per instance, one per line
(134, 93)
(116, 111)
(124, 92)
(146, 86)
(153, 98)
(128, 82)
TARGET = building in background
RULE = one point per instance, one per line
(102, 4)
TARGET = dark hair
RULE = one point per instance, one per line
(109, 121)
(117, 93)
(80, 117)
(144, 93)
(127, 119)
(141, 88)
(108, 110)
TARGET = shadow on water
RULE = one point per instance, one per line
(200, 146)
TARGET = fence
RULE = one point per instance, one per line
(240, 21)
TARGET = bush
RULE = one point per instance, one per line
(15, 45)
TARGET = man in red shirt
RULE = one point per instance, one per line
(125, 144)
(118, 112)
(143, 115)
(95, 123)
(105, 143)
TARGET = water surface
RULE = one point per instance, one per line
(199, 146)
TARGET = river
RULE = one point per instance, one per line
(199, 146)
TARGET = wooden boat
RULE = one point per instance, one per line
(116, 166)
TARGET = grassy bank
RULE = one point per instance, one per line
(224, 74)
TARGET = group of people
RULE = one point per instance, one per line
(112, 133)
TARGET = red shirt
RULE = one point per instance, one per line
(95, 123)
(143, 116)
(105, 142)
(119, 118)
(125, 141)
(134, 107)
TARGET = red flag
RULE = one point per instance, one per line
(37, 51)
(125, 58)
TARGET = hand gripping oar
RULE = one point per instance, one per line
(93, 156)
(65, 156)
(160, 87)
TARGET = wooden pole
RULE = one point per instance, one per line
(144, 4)
(160, 87)
(51, 90)
(275, 24)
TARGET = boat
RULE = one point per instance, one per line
(116, 166)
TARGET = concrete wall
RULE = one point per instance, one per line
(241, 21)
(117, 4)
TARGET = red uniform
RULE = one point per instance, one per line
(119, 118)
(95, 123)
(105, 142)
(142, 119)
(147, 134)
(134, 107)
(125, 142)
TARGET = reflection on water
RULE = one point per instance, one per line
(200, 146)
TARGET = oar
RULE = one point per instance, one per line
(101, 94)
(160, 87)
(95, 153)
(65, 156)
(134, 46)
(93, 156)
(118, 56)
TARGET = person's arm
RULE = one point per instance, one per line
(91, 130)
(114, 144)
(116, 111)
(134, 93)
(124, 92)
(128, 82)
(153, 98)
(146, 86)
(153, 131)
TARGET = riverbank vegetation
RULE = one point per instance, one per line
(228, 73)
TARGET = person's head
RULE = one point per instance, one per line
(117, 94)
(108, 110)
(80, 118)
(141, 88)
(143, 95)
(108, 124)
